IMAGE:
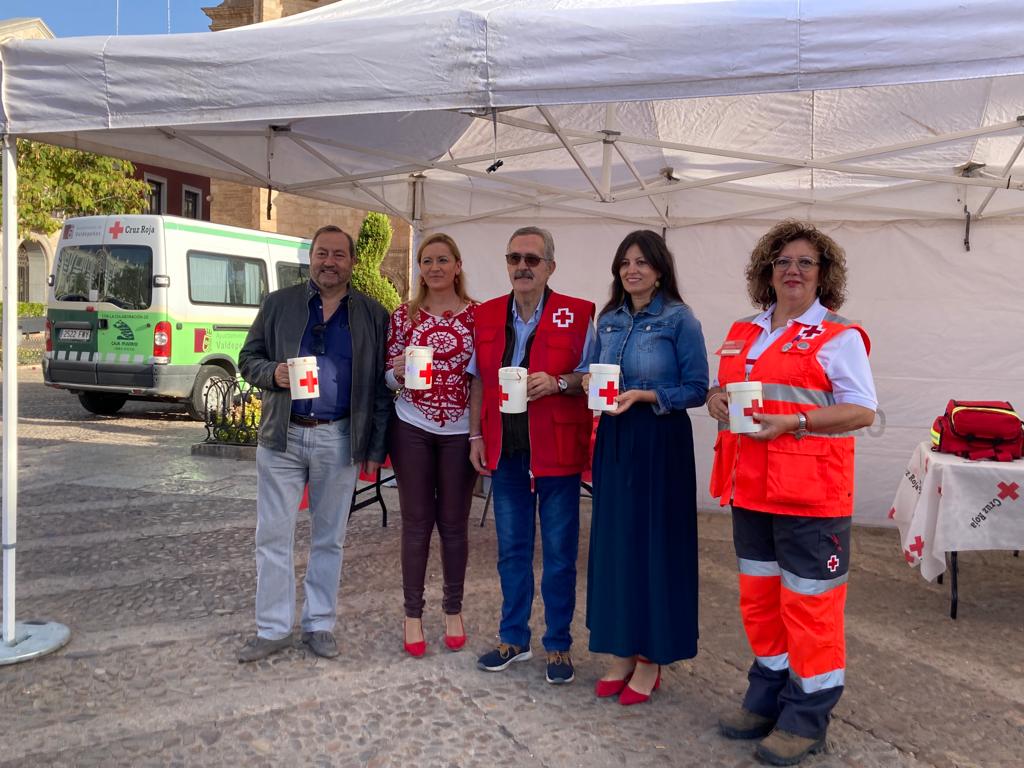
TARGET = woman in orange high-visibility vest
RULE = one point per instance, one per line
(791, 484)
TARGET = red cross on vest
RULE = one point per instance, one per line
(833, 563)
(563, 317)
(755, 407)
(1008, 490)
(609, 393)
(116, 230)
(427, 373)
(308, 381)
(811, 331)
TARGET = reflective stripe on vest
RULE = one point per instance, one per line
(758, 567)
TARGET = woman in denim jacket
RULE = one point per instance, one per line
(642, 574)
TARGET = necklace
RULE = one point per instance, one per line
(447, 314)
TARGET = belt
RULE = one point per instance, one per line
(309, 421)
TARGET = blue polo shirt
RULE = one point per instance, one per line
(331, 343)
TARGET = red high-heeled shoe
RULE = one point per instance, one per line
(455, 642)
(417, 648)
(605, 689)
(630, 695)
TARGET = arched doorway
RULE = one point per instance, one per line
(31, 272)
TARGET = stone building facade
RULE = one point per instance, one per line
(244, 206)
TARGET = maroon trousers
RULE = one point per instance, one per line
(435, 487)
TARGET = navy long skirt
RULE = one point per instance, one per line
(642, 572)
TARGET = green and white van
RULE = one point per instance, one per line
(157, 307)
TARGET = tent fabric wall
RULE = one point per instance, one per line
(943, 323)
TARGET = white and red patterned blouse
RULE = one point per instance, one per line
(444, 408)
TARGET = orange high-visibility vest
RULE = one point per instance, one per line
(812, 476)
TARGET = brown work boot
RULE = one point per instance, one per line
(785, 748)
(743, 724)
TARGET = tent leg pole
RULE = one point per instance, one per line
(28, 639)
(10, 396)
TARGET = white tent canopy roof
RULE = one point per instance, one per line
(660, 114)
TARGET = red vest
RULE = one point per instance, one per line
(560, 425)
(812, 476)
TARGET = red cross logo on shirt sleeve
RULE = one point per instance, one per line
(563, 317)
(309, 381)
(115, 230)
(609, 393)
(427, 373)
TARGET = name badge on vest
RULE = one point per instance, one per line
(730, 348)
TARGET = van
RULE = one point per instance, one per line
(157, 307)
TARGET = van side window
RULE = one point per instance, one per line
(215, 278)
(291, 273)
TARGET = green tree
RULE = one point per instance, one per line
(371, 248)
(55, 183)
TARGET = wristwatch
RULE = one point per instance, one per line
(801, 425)
(563, 385)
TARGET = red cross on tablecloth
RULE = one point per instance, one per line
(909, 556)
(892, 513)
(308, 381)
(918, 546)
(1008, 490)
(755, 407)
(609, 393)
(833, 563)
(563, 317)
(427, 373)
(116, 230)
(502, 395)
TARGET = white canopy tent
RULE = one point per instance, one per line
(892, 124)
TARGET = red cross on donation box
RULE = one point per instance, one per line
(609, 393)
(309, 381)
(1008, 491)
(755, 407)
(427, 373)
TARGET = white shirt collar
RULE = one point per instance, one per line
(813, 316)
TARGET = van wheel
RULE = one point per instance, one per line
(102, 403)
(206, 390)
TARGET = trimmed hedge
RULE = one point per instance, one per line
(29, 309)
(371, 248)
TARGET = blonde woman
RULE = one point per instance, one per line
(429, 438)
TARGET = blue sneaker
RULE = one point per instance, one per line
(560, 669)
(502, 656)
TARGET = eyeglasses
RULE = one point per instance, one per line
(531, 259)
(804, 265)
(318, 338)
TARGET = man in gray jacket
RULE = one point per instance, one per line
(322, 441)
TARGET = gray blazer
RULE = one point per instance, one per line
(275, 336)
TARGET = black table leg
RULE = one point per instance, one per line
(953, 595)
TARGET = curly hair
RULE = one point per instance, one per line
(831, 274)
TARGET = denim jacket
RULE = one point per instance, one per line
(661, 348)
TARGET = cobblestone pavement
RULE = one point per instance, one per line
(145, 552)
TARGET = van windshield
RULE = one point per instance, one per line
(119, 274)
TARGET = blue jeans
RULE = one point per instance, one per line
(322, 457)
(515, 506)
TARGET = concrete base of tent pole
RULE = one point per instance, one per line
(33, 639)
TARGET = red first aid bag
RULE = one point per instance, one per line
(979, 429)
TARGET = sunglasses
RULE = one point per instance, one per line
(318, 338)
(530, 259)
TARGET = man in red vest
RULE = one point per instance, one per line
(536, 456)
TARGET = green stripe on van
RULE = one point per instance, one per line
(302, 245)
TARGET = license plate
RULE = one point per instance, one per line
(74, 334)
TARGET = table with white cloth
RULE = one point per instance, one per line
(948, 504)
